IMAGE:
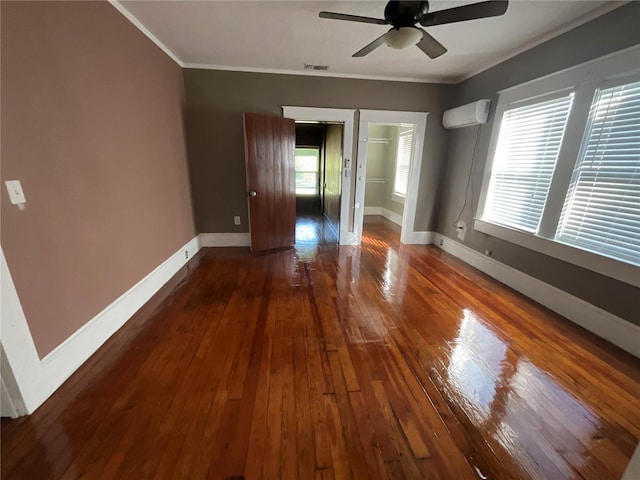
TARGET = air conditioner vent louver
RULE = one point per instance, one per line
(310, 66)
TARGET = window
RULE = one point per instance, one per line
(564, 171)
(528, 146)
(602, 209)
(307, 171)
(403, 162)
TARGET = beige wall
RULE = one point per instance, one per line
(609, 33)
(92, 126)
(379, 156)
(381, 163)
(217, 99)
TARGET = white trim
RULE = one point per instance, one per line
(36, 379)
(225, 240)
(622, 333)
(419, 238)
(373, 210)
(632, 471)
(22, 356)
(393, 216)
(7, 409)
(608, 7)
(589, 72)
(582, 79)
(347, 117)
(388, 214)
(139, 25)
(397, 198)
(625, 272)
(316, 73)
(419, 119)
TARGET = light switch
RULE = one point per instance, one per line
(16, 195)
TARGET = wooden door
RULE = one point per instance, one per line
(269, 147)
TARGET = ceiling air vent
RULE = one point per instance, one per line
(310, 66)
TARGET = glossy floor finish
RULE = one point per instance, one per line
(319, 362)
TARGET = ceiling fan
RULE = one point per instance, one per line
(404, 15)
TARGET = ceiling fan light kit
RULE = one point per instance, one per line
(403, 37)
(404, 16)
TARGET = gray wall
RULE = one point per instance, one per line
(215, 101)
(607, 34)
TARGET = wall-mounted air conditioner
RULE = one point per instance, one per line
(470, 114)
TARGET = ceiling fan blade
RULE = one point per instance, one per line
(353, 18)
(370, 48)
(429, 45)
(492, 8)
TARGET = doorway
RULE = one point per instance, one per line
(335, 189)
(353, 177)
(389, 151)
(389, 167)
(318, 172)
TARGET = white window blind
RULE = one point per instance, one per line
(403, 162)
(526, 154)
(307, 165)
(602, 208)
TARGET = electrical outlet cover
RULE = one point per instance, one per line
(461, 228)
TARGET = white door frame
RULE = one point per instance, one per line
(408, 234)
(347, 117)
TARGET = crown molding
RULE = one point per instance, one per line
(129, 16)
(312, 73)
(610, 6)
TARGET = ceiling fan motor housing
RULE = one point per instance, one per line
(405, 13)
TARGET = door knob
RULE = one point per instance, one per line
(252, 193)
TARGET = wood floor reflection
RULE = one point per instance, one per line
(379, 361)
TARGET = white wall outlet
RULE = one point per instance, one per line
(461, 228)
(236, 220)
(16, 195)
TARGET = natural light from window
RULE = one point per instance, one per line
(403, 161)
(307, 162)
(564, 171)
(602, 209)
(528, 146)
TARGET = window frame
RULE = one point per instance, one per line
(495, 140)
(584, 80)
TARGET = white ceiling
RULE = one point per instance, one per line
(281, 36)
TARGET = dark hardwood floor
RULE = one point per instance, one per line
(319, 362)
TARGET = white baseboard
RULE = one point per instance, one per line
(633, 467)
(394, 217)
(225, 240)
(388, 214)
(621, 333)
(7, 408)
(418, 238)
(372, 210)
(37, 379)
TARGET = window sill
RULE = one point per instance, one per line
(397, 198)
(625, 272)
